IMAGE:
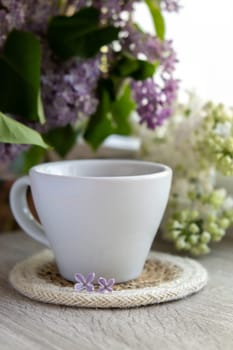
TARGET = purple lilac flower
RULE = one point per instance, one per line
(68, 90)
(149, 47)
(140, 44)
(84, 283)
(169, 90)
(167, 57)
(106, 286)
(26, 15)
(170, 5)
(154, 97)
(12, 15)
(110, 10)
(9, 152)
(154, 104)
(38, 14)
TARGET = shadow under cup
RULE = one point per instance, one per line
(97, 215)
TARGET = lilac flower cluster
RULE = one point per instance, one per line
(68, 90)
(38, 14)
(12, 15)
(154, 98)
(153, 101)
(27, 15)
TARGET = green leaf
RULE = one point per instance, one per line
(33, 156)
(62, 139)
(126, 66)
(121, 110)
(157, 17)
(80, 34)
(90, 44)
(138, 69)
(100, 125)
(11, 131)
(111, 117)
(145, 70)
(20, 76)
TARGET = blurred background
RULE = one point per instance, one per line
(202, 35)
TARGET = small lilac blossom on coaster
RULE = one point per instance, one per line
(84, 283)
(106, 286)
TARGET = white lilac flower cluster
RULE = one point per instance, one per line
(196, 144)
(215, 142)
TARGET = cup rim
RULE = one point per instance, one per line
(164, 169)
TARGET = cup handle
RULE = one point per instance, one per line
(22, 213)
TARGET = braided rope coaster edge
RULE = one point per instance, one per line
(165, 278)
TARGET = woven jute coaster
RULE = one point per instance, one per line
(164, 278)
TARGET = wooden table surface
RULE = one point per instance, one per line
(202, 321)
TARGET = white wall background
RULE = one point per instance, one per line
(203, 38)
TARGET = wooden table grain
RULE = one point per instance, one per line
(202, 321)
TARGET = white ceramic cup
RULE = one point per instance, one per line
(97, 215)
